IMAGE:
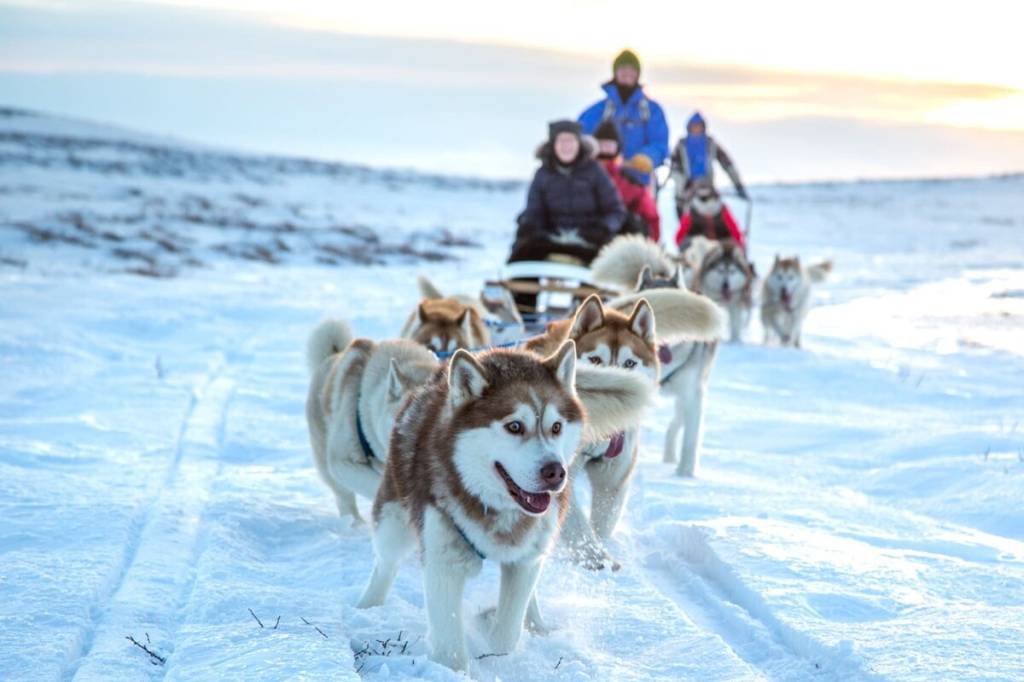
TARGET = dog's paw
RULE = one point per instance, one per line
(593, 557)
(536, 626)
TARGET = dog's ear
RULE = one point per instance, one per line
(678, 278)
(641, 321)
(646, 278)
(467, 378)
(589, 316)
(396, 384)
(421, 312)
(466, 324)
(563, 364)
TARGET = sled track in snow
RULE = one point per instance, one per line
(198, 409)
(705, 587)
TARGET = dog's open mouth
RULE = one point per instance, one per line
(786, 299)
(726, 294)
(533, 503)
(615, 445)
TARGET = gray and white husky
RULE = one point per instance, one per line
(724, 275)
(786, 298)
(478, 471)
(355, 391)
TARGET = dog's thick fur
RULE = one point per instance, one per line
(497, 309)
(726, 277)
(623, 258)
(444, 325)
(357, 385)
(786, 298)
(478, 470)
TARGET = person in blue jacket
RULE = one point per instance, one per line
(640, 120)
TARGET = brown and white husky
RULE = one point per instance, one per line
(355, 390)
(604, 337)
(786, 298)
(478, 470)
(685, 363)
(446, 324)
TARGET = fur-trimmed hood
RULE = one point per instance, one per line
(588, 150)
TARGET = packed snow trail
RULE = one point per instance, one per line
(857, 517)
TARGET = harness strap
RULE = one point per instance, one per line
(643, 105)
(668, 377)
(476, 550)
(364, 442)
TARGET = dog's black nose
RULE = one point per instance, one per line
(552, 473)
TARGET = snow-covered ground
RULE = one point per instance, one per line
(859, 513)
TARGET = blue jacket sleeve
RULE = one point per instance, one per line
(591, 118)
(657, 136)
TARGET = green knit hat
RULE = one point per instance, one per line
(626, 58)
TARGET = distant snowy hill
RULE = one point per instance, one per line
(153, 206)
(858, 515)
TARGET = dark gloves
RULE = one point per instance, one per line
(742, 192)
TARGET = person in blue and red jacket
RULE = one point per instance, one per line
(698, 206)
(640, 120)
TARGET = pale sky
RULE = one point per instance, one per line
(920, 88)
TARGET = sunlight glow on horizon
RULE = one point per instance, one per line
(911, 42)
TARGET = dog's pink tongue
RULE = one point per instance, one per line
(537, 502)
(616, 444)
(664, 353)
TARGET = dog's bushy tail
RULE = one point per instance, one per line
(330, 337)
(819, 271)
(427, 289)
(678, 315)
(621, 261)
(615, 399)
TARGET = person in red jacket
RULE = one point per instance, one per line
(707, 216)
(643, 213)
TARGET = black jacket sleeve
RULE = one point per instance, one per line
(613, 212)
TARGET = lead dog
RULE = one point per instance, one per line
(786, 298)
(477, 471)
(355, 391)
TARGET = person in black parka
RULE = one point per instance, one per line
(573, 207)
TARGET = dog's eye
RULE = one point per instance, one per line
(629, 364)
(556, 428)
(514, 427)
(594, 360)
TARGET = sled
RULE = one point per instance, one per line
(560, 287)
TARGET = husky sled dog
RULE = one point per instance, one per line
(496, 307)
(726, 277)
(477, 471)
(446, 324)
(685, 364)
(604, 338)
(356, 389)
(786, 298)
